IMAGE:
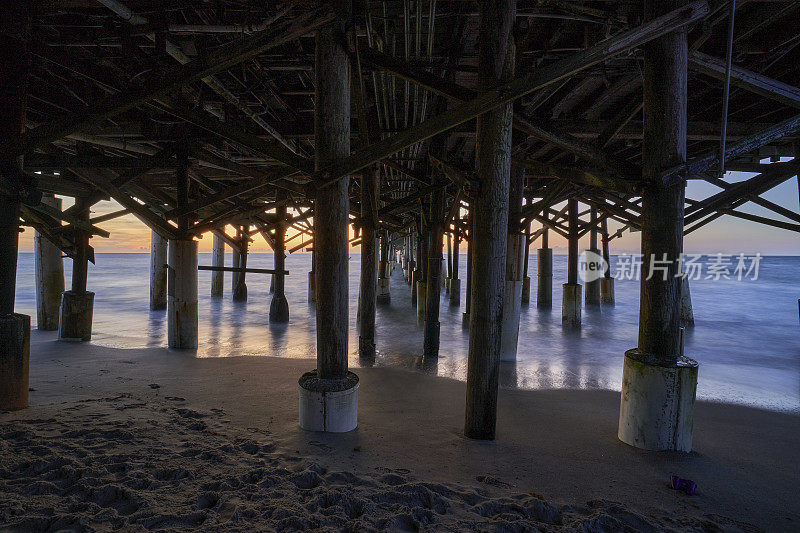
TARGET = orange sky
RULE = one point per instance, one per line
(725, 235)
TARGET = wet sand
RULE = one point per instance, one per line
(161, 439)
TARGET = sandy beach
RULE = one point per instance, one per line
(158, 439)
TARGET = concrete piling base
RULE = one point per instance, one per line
(182, 294)
(509, 333)
(414, 275)
(15, 350)
(455, 291)
(279, 309)
(571, 305)
(544, 288)
(465, 320)
(383, 295)
(446, 282)
(329, 405)
(75, 322)
(526, 290)
(657, 403)
(607, 291)
(422, 298)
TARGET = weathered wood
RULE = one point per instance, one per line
(80, 262)
(684, 171)
(367, 284)
(332, 204)
(217, 260)
(240, 289)
(501, 95)
(182, 319)
(493, 136)
(665, 120)
(279, 306)
(15, 27)
(752, 81)
(220, 59)
(49, 276)
(572, 243)
(158, 272)
(430, 343)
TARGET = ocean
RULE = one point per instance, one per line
(746, 335)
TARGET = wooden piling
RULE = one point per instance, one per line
(217, 260)
(592, 285)
(658, 383)
(493, 140)
(49, 267)
(367, 293)
(158, 272)
(240, 290)
(332, 203)
(430, 343)
(279, 306)
(571, 298)
(77, 304)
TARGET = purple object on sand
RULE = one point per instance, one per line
(686, 485)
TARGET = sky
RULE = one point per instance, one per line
(727, 235)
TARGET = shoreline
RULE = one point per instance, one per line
(557, 444)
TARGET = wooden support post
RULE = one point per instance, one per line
(571, 302)
(544, 281)
(49, 275)
(329, 394)
(279, 306)
(607, 283)
(470, 248)
(592, 284)
(240, 289)
(15, 19)
(384, 295)
(422, 270)
(367, 294)
(431, 335)
(182, 294)
(236, 262)
(493, 140)
(158, 271)
(217, 260)
(516, 242)
(526, 280)
(449, 264)
(658, 383)
(455, 283)
(75, 323)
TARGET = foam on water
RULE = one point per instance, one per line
(746, 338)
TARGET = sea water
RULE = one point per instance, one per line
(746, 335)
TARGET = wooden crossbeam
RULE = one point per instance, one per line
(525, 124)
(681, 173)
(746, 79)
(585, 177)
(508, 92)
(218, 60)
(106, 185)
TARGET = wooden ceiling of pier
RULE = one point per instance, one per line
(118, 87)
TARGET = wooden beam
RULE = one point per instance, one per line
(686, 171)
(106, 185)
(751, 81)
(222, 58)
(508, 92)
